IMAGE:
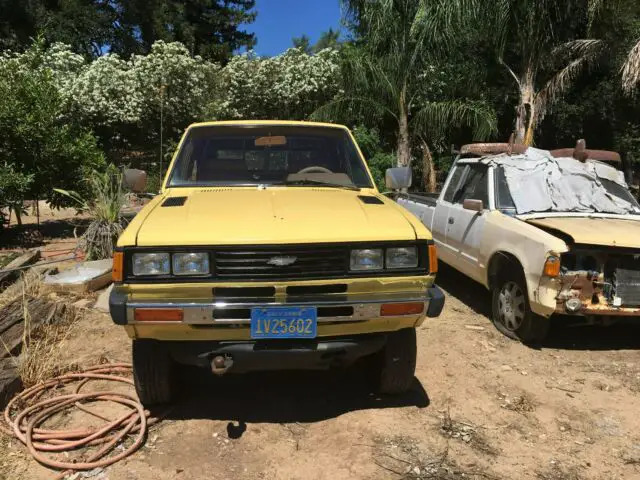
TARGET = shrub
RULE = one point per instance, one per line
(13, 189)
(106, 198)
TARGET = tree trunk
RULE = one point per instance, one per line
(404, 148)
(18, 213)
(428, 168)
(525, 111)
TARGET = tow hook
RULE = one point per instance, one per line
(221, 364)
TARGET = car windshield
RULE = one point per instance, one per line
(537, 183)
(268, 155)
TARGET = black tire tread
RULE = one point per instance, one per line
(398, 362)
(153, 372)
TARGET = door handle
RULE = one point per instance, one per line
(451, 221)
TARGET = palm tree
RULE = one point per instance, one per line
(533, 35)
(385, 75)
(631, 67)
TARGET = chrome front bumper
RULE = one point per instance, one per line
(234, 311)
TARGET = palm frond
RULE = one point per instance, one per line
(81, 203)
(436, 118)
(347, 107)
(631, 70)
(589, 53)
(577, 48)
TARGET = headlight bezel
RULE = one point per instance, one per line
(414, 264)
(420, 252)
(368, 253)
(162, 273)
(205, 258)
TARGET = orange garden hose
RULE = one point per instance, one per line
(26, 412)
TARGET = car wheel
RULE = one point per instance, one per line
(397, 362)
(511, 312)
(154, 372)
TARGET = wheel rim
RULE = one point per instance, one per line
(511, 306)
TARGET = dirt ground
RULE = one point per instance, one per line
(482, 406)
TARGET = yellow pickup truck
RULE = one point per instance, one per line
(269, 247)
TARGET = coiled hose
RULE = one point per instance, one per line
(26, 412)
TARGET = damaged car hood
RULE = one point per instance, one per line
(251, 216)
(611, 232)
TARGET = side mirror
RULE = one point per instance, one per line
(398, 178)
(135, 180)
(473, 205)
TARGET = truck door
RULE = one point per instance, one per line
(465, 227)
(439, 223)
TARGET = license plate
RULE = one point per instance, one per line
(284, 322)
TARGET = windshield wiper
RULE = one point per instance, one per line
(319, 183)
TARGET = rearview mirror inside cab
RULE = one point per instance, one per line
(270, 141)
(398, 178)
(135, 180)
(474, 205)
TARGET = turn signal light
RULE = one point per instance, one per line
(158, 315)
(118, 266)
(552, 267)
(433, 259)
(394, 309)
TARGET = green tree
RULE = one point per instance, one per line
(386, 73)
(629, 11)
(86, 25)
(36, 136)
(210, 28)
(14, 187)
(303, 43)
(328, 39)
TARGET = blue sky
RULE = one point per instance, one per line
(279, 21)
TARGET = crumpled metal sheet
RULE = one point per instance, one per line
(538, 182)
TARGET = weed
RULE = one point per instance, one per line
(401, 455)
(41, 355)
(467, 433)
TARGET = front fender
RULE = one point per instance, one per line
(530, 246)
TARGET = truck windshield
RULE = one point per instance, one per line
(268, 155)
(561, 185)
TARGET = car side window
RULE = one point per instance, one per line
(453, 183)
(475, 185)
(504, 201)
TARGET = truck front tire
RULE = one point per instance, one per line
(396, 364)
(154, 372)
(511, 312)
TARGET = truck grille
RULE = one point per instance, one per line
(280, 263)
(628, 286)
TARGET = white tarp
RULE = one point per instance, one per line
(538, 182)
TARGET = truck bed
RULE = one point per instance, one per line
(423, 198)
(422, 205)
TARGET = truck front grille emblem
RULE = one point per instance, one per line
(282, 261)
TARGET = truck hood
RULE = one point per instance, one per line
(611, 232)
(275, 215)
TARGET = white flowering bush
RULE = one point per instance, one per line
(106, 92)
(170, 77)
(291, 85)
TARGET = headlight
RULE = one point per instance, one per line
(151, 264)
(406, 257)
(367, 259)
(191, 263)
